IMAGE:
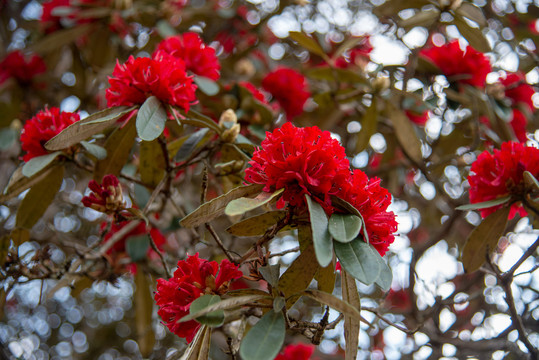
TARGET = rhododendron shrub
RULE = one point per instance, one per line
(256, 180)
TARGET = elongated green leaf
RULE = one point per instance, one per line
(386, 275)
(344, 227)
(485, 204)
(242, 205)
(323, 246)
(531, 181)
(483, 239)
(264, 340)
(214, 318)
(118, 147)
(35, 165)
(474, 35)
(325, 277)
(256, 225)
(197, 119)
(351, 324)
(190, 144)
(472, 12)
(53, 42)
(216, 207)
(405, 132)
(421, 18)
(270, 273)
(335, 303)
(137, 247)
(38, 199)
(95, 150)
(152, 163)
(143, 313)
(358, 259)
(206, 85)
(278, 303)
(307, 42)
(299, 275)
(18, 182)
(151, 119)
(368, 126)
(195, 349)
(89, 126)
(8, 137)
(225, 304)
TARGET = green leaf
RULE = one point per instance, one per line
(142, 196)
(256, 225)
(8, 137)
(143, 300)
(344, 227)
(87, 127)
(323, 246)
(35, 165)
(242, 205)
(386, 275)
(325, 277)
(484, 204)
(99, 152)
(369, 123)
(299, 275)
(307, 43)
(420, 18)
(358, 259)
(483, 239)
(151, 119)
(206, 85)
(197, 119)
(118, 147)
(474, 35)
(335, 303)
(216, 207)
(38, 199)
(264, 340)
(405, 132)
(137, 247)
(531, 181)
(192, 142)
(351, 324)
(278, 303)
(472, 12)
(152, 163)
(225, 304)
(214, 318)
(165, 29)
(56, 40)
(18, 182)
(270, 273)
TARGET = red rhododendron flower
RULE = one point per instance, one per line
(468, 67)
(518, 123)
(289, 88)
(197, 56)
(193, 278)
(518, 90)
(372, 201)
(45, 125)
(296, 352)
(416, 118)
(20, 67)
(500, 174)
(106, 197)
(162, 76)
(302, 161)
(257, 94)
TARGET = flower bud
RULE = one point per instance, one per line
(245, 67)
(228, 116)
(231, 134)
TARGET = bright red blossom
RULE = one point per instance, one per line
(296, 352)
(41, 128)
(197, 56)
(517, 90)
(289, 88)
(20, 67)
(501, 174)
(419, 119)
(518, 123)
(302, 161)
(193, 278)
(162, 76)
(468, 67)
(372, 201)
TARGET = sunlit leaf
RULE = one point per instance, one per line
(151, 119)
(323, 246)
(35, 165)
(242, 205)
(484, 204)
(344, 227)
(264, 340)
(358, 259)
(214, 318)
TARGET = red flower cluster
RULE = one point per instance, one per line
(193, 278)
(21, 68)
(45, 125)
(470, 66)
(106, 197)
(517, 90)
(289, 88)
(501, 174)
(197, 56)
(518, 123)
(296, 352)
(357, 56)
(162, 76)
(309, 161)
